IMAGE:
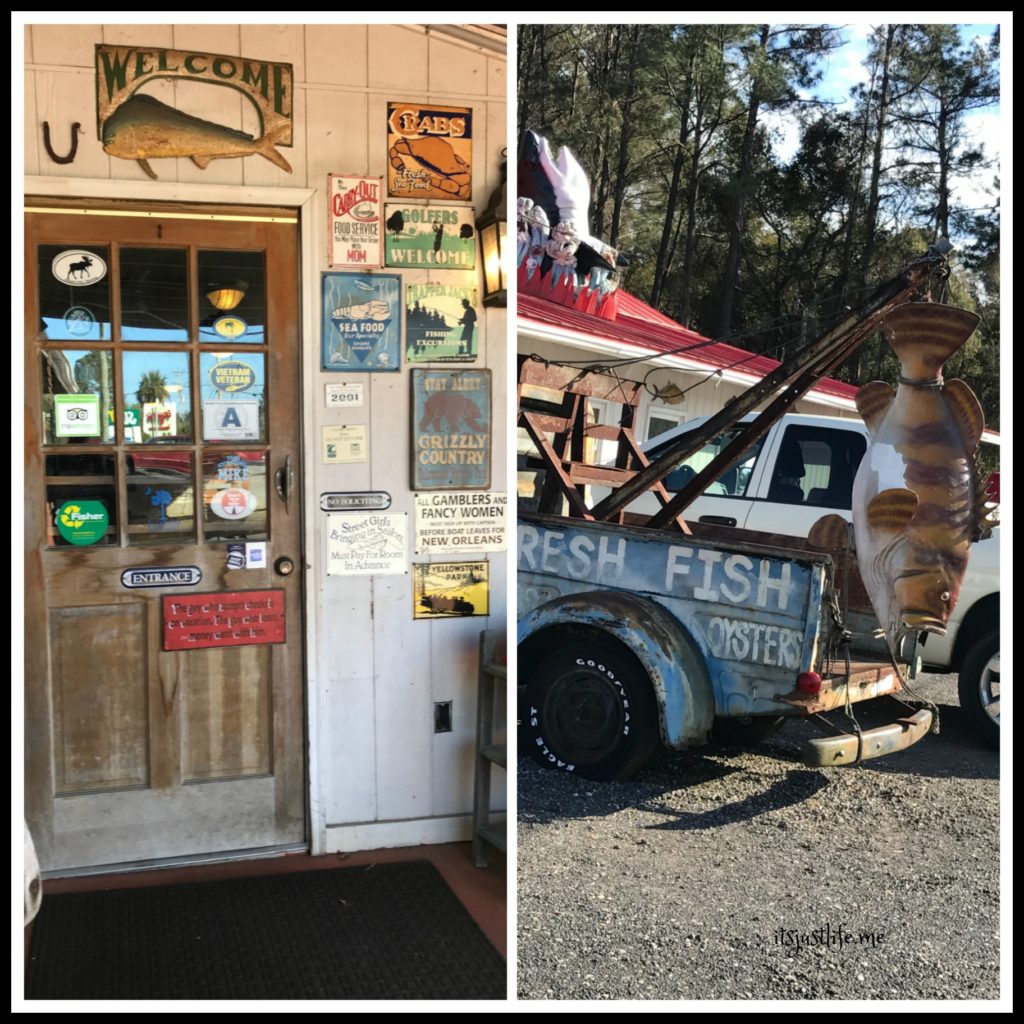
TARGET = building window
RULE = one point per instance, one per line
(660, 419)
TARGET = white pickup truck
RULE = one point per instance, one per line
(802, 470)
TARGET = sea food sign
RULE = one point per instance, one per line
(138, 127)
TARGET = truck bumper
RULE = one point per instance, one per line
(886, 739)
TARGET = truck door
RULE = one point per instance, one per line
(727, 501)
(808, 474)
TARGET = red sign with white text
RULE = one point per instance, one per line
(237, 618)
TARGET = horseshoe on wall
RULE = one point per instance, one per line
(75, 129)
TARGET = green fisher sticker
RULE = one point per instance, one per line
(82, 522)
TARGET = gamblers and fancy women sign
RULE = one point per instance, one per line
(361, 322)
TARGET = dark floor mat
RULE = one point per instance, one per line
(391, 931)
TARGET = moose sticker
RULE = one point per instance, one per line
(78, 268)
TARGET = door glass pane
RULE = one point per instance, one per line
(157, 398)
(235, 495)
(74, 292)
(161, 496)
(78, 397)
(80, 515)
(154, 295)
(231, 391)
(231, 297)
(81, 464)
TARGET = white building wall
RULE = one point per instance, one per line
(380, 776)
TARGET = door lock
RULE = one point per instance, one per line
(284, 566)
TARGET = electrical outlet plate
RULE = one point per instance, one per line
(443, 716)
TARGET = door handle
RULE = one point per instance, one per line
(717, 520)
(284, 480)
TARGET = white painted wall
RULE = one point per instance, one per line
(379, 776)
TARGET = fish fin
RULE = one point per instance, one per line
(144, 164)
(890, 511)
(873, 401)
(985, 513)
(966, 410)
(265, 147)
(925, 334)
(202, 162)
(830, 533)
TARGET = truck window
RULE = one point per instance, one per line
(816, 466)
(732, 483)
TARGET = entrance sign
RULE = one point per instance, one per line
(172, 576)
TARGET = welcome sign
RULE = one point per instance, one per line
(122, 70)
(430, 237)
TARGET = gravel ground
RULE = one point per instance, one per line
(676, 883)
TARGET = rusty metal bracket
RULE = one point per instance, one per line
(72, 153)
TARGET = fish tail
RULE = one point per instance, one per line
(925, 334)
(265, 147)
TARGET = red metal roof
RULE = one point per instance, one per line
(643, 327)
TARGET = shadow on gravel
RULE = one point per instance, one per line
(797, 786)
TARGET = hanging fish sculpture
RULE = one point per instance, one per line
(917, 497)
(142, 128)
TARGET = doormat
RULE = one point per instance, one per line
(389, 931)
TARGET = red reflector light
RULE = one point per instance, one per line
(809, 682)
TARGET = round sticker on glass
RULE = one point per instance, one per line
(233, 503)
(232, 376)
(79, 321)
(82, 522)
(230, 327)
(78, 267)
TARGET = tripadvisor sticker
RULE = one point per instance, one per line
(82, 522)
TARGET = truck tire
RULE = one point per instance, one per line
(979, 686)
(746, 731)
(590, 710)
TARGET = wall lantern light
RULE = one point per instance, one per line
(492, 228)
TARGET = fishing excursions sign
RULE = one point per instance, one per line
(134, 126)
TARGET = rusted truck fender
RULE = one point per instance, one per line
(672, 660)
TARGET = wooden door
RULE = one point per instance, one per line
(164, 676)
